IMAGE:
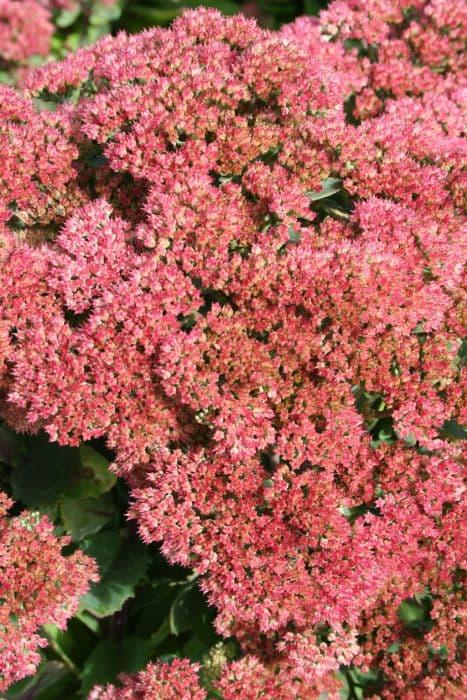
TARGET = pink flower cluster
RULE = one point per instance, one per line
(162, 681)
(205, 262)
(248, 679)
(26, 26)
(20, 37)
(38, 585)
(391, 49)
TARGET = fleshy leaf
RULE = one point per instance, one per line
(119, 579)
(330, 186)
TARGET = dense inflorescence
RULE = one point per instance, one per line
(259, 304)
(164, 681)
(393, 49)
(27, 26)
(180, 680)
(38, 585)
(20, 38)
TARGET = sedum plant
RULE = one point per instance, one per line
(32, 31)
(38, 585)
(392, 51)
(253, 293)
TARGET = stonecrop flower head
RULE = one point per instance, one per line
(259, 304)
(27, 26)
(20, 36)
(38, 585)
(389, 49)
(175, 681)
(248, 678)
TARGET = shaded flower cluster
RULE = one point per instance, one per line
(38, 585)
(259, 304)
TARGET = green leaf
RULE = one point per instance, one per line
(419, 330)
(190, 611)
(357, 683)
(441, 652)
(330, 186)
(454, 430)
(104, 15)
(352, 514)
(344, 691)
(52, 681)
(73, 42)
(152, 606)
(96, 468)
(68, 17)
(94, 32)
(88, 620)
(382, 430)
(47, 472)
(97, 161)
(180, 617)
(424, 598)
(71, 645)
(294, 236)
(409, 439)
(161, 634)
(118, 579)
(6, 77)
(103, 547)
(111, 658)
(333, 208)
(195, 648)
(462, 354)
(84, 517)
(411, 612)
